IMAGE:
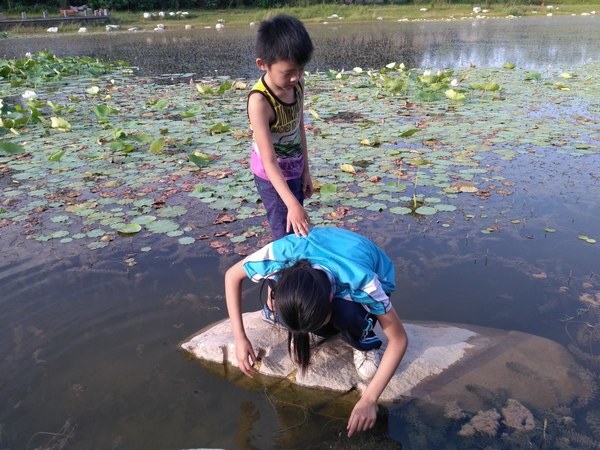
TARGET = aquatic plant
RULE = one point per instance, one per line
(370, 137)
(45, 66)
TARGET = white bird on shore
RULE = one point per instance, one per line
(477, 10)
(147, 15)
(188, 27)
(219, 26)
(82, 30)
(52, 30)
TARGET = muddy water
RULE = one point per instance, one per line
(88, 342)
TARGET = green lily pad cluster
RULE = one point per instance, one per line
(118, 156)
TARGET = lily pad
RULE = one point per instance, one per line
(426, 210)
(162, 226)
(129, 228)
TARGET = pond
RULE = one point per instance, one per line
(90, 333)
(528, 42)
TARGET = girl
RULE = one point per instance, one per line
(331, 281)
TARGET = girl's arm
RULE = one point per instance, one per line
(365, 411)
(233, 295)
(260, 113)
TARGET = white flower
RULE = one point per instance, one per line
(454, 82)
(29, 95)
(427, 73)
(28, 55)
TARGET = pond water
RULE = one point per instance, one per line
(528, 42)
(89, 339)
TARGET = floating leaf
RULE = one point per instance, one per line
(328, 189)
(401, 210)
(11, 148)
(219, 128)
(533, 76)
(348, 168)
(587, 239)
(60, 124)
(97, 245)
(426, 210)
(59, 234)
(445, 208)
(162, 226)
(566, 75)
(56, 156)
(508, 65)
(409, 132)
(491, 86)
(200, 159)
(314, 113)
(187, 240)
(204, 89)
(161, 104)
(549, 230)
(377, 207)
(93, 90)
(129, 228)
(172, 211)
(455, 95)
(59, 219)
(102, 111)
(157, 145)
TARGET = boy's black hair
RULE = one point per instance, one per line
(282, 38)
(302, 299)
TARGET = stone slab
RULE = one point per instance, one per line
(444, 363)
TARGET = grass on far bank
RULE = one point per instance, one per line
(358, 13)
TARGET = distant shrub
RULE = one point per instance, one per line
(515, 11)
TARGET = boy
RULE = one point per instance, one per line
(279, 159)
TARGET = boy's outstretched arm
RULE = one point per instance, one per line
(307, 185)
(244, 352)
(364, 414)
(259, 113)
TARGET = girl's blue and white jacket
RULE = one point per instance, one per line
(359, 271)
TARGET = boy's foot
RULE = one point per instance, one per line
(270, 316)
(366, 363)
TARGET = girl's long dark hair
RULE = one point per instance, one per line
(302, 298)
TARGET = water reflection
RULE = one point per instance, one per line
(528, 42)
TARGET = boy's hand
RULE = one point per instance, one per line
(363, 416)
(307, 187)
(245, 357)
(298, 221)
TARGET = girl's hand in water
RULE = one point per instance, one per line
(363, 416)
(245, 357)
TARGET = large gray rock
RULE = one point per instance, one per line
(443, 364)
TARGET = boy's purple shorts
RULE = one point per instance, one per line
(276, 209)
